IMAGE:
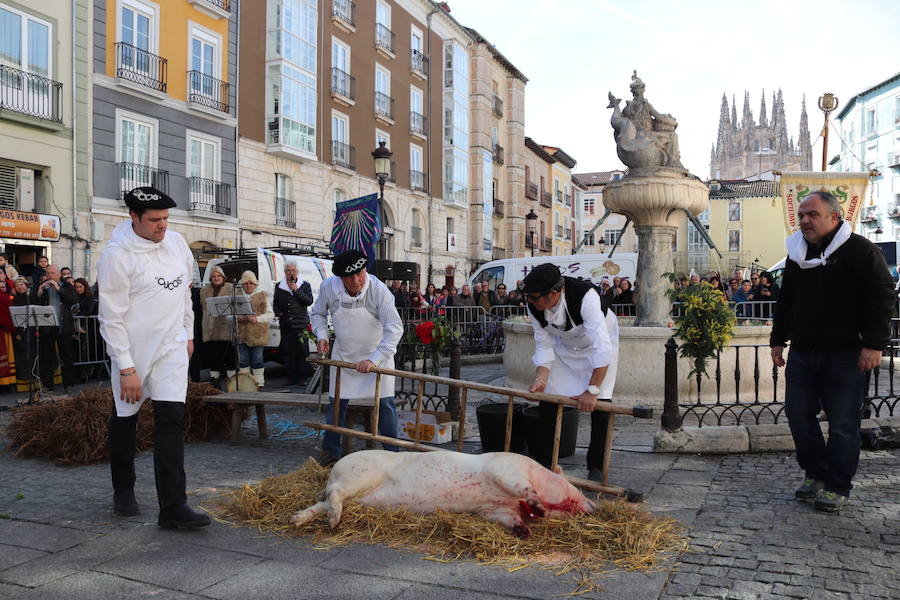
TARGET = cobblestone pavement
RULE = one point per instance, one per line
(749, 538)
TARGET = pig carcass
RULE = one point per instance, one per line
(509, 489)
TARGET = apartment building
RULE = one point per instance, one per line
(590, 210)
(538, 199)
(164, 84)
(562, 210)
(44, 130)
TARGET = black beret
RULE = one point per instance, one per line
(349, 262)
(148, 197)
(541, 279)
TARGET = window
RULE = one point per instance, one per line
(897, 110)
(415, 100)
(340, 127)
(284, 207)
(416, 116)
(415, 42)
(871, 122)
(416, 172)
(611, 236)
(734, 211)
(382, 80)
(451, 234)
(136, 144)
(139, 34)
(381, 136)
(415, 157)
(734, 240)
(340, 55)
(341, 153)
(203, 174)
(205, 64)
(339, 196)
(588, 238)
(589, 206)
(416, 229)
(383, 14)
(282, 187)
(24, 45)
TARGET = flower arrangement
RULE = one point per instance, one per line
(705, 324)
(436, 335)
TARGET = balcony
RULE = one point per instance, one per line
(416, 236)
(217, 9)
(418, 181)
(384, 108)
(290, 139)
(343, 15)
(418, 64)
(141, 67)
(546, 244)
(384, 40)
(342, 155)
(498, 208)
(343, 87)
(893, 160)
(498, 253)
(30, 94)
(208, 195)
(498, 107)
(870, 216)
(417, 124)
(498, 154)
(285, 211)
(546, 199)
(133, 175)
(208, 92)
(894, 211)
(531, 190)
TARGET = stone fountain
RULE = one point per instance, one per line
(653, 193)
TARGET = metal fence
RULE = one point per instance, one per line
(90, 349)
(746, 312)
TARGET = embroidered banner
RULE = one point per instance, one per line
(357, 226)
(848, 188)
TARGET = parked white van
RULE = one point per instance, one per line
(587, 266)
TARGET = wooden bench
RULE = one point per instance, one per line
(235, 400)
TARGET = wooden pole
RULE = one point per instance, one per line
(462, 418)
(607, 447)
(376, 408)
(507, 440)
(337, 396)
(556, 434)
(419, 397)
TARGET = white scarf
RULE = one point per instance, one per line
(797, 247)
(284, 285)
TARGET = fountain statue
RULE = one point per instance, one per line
(654, 194)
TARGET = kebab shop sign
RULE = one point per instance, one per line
(29, 226)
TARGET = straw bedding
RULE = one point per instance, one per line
(617, 536)
(73, 430)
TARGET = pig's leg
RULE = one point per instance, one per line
(305, 516)
(512, 482)
(508, 518)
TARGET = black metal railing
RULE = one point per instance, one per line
(531, 190)
(223, 4)
(89, 347)
(417, 123)
(384, 38)
(133, 175)
(208, 91)
(882, 398)
(418, 181)
(345, 11)
(285, 212)
(546, 199)
(384, 106)
(209, 195)
(418, 62)
(342, 155)
(141, 67)
(498, 107)
(343, 83)
(546, 244)
(498, 154)
(30, 94)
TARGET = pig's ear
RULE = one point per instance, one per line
(558, 470)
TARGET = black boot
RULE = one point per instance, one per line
(181, 517)
(168, 466)
(122, 439)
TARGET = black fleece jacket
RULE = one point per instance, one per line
(845, 304)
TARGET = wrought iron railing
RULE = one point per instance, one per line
(285, 212)
(417, 123)
(343, 83)
(531, 190)
(546, 244)
(498, 107)
(384, 106)
(342, 155)
(498, 154)
(89, 346)
(209, 195)
(418, 181)
(223, 4)
(141, 67)
(345, 11)
(418, 62)
(546, 199)
(133, 175)
(30, 94)
(208, 91)
(384, 38)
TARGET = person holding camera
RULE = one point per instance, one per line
(56, 343)
(292, 298)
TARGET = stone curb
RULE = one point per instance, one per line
(736, 439)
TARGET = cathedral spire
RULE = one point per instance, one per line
(762, 110)
(781, 135)
(803, 143)
(734, 124)
(724, 126)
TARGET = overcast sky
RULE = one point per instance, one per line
(688, 52)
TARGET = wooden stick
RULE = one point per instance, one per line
(556, 434)
(462, 419)
(507, 440)
(261, 422)
(337, 396)
(377, 407)
(502, 391)
(607, 447)
(370, 436)
(596, 487)
(421, 394)
(235, 431)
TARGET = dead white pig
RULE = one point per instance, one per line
(509, 489)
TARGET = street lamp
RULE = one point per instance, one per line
(382, 158)
(602, 245)
(531, 217)
(827, 103)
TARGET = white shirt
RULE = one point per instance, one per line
(594, 322)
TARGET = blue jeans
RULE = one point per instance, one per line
(251, 356)
(828, 381)
(387, 425)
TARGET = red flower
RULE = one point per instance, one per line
(425, 332)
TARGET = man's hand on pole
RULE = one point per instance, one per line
(322, 348)
(586, 401)
(778, 355)
(364, 366)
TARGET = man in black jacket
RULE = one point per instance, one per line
(838, 331)
(56, 342)
(292, 297)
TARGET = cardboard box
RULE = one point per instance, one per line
(434, 426)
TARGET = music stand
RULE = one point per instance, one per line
(230, 307)
(27, 317)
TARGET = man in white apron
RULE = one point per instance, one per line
(367, 329)
(147, 320)
(576, 341)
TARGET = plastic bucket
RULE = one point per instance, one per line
(539, 435)
(492, 427)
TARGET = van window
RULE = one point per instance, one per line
(491, 275)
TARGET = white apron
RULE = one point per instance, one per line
(570, 374)
(161, 358)
(357, 332)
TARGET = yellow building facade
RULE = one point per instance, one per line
(563, 190)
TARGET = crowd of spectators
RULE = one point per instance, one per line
(751, 294)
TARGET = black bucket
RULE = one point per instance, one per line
(492, 427)
(539, 436)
